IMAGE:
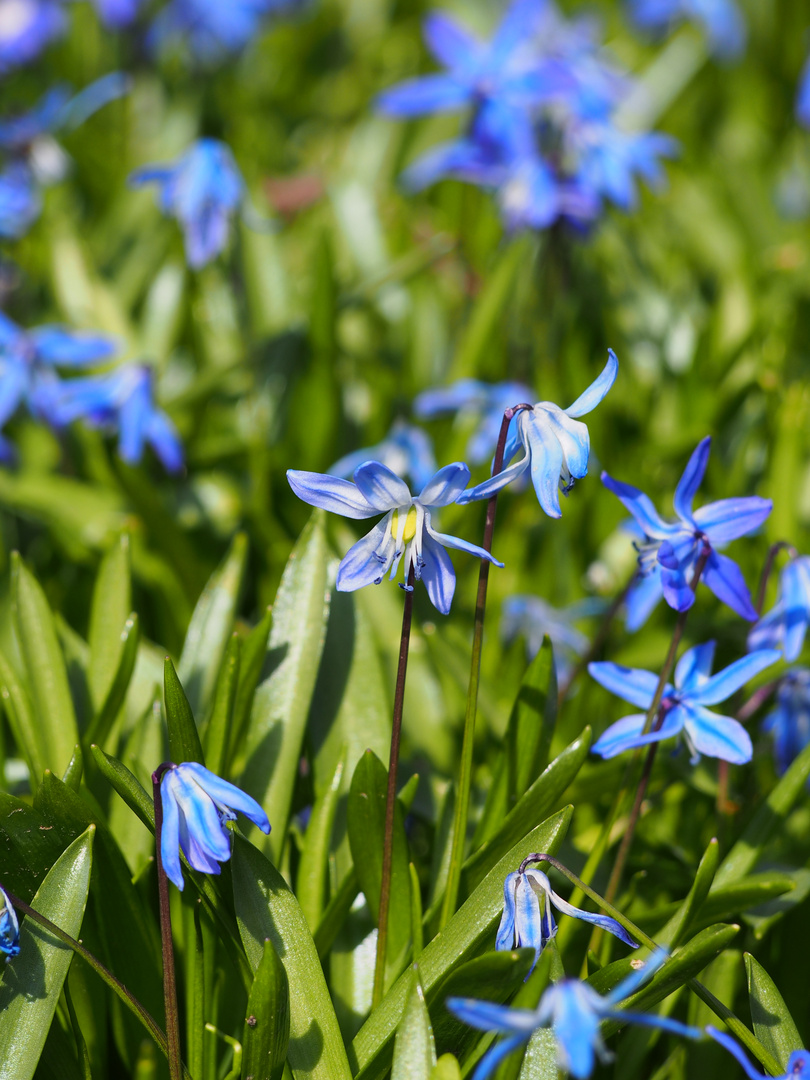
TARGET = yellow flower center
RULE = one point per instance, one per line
(410, 525)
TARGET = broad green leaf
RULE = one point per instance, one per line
(267, 1027)
(112, 604)
(540, 1059)
(677, 927)
(767, 819)
(312, 871)
(218, 730)
(45, 666)
(773, 1024)
(281, 705)
(471, 930)
(28, 846)
(184, 738)
(128, 641)
(20, 715)
(266, 908)
(211, 627)
(251, 662)
(414, 1048)
(336, 912)
(32, 982)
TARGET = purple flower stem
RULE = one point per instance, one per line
(780, 545)
(597, 642)
(167, 945)
(459, 834)
(391, 795)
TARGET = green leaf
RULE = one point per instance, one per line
(112, 603)
(471, 929)
(211, 627)
(336, 913)
(184, 739)
(251, 662)
(28, 845)
(32, 982)
(312, 871)
(417, 930)
(127, 785)
(773, 1024)
(768, 818)
(218, 730)
(128, 641)
(266, 908)
(45, 667)
(678, 926)
(414, 1048)
(446, 1068)
(267, 1027)
(20, 714)
(540, 1059)
(281, 705)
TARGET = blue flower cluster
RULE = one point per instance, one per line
(542, 131)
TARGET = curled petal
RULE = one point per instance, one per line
(458, 544)
(496, 483)
(506, 931)
(574, 440)
(588, 400)
(677, 591)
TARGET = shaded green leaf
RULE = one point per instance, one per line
(267, 1027)
(773, 1024)
(112, 603)
(184, 738)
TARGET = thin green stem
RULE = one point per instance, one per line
(167, 945)
(391, 795)
(718, 1008)
(465, 769)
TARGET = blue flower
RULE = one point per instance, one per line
(608, 161)
(528, 921)
(556, 447)
(535, 620)
(59, 108)
(406, 529)
(211, 29)
(202, 190)
(789, 723)
(721, 20)
(798, 1063)
(405, 450)
(9, 928)
(27, 27)
(117, 14)
(785, 625)
(482, 402)
(803, 96)
(683, 705)
(123, 400)
(575, 1011)
(20, 201)
(197, 804)
(676, 546)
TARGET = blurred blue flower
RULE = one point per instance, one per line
(803, 96)
(721, 20)
(785, 625)
(212, 29)
(575, 1011)
(405, 530)
(683, 705)
(116, 14)
(123, 401)
(196, 806)
(789, 723)
(59, 108)
(479, 401)
(798, 1067)
(535, 620)
(20, 201)
(202, 190)
(9, 928)
(676, 546)
(528, 921)
(27, 27)
(556, 447)
(406, 450)
(609, 160)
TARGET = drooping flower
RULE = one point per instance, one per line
(721, 20)
(406, 450)
(683, 705)
(123, 401)
(9, 928)
(677, 546)
(528, 921)
(785, 625)
(27, 27)
(478, 401)
(20, 201)
(535, 620)
(798, 1063)
(197, 804)
(575, 1011)
(203, 190)
(556, 446)
(405, 531)
(788, 723)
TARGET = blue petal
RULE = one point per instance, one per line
(487, 488)
(447, 399)
(588, 400)
(428, 94)
(519, 24)
(730, 679)
(450, 42)
(730, 518)
(528, 920)
(597, 919)
(644, 595)
(108, 88)
(633, 684)
(736, 1052)
(663, 1023)
(769, 632)
(574, 440)
(717, 736)
(13, 385)
(691, 480)
(170, 833)
(438, 574)
(488, 1016)
(164, 440)
(496, 1054)
(725, 580)
(227, 794)
(456, 543)
(56, 345)
(367, 561)
(695, 667)
(199, 815)
(642, 509)
(330, 493)
(795, 587)
(679, 551)
(636, 978)
(546, 454)
(625, 734)
(803, 96)
(380, 487)
(677, 591)
(576, 1026)
(505, 938)
(446, 486)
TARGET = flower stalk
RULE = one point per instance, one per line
(166, 942)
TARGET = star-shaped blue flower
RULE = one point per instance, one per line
(683, 705)
(404, 534)
(197, 804)
(785, 625)
(528, 921)
(798, 1063)
(677, 546)
(406, 450)
(203, 190)
(556, 446)
(788, 723)
(721, 20)
(9, 928)
(575, 1011)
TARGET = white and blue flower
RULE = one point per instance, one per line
(9, 928)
